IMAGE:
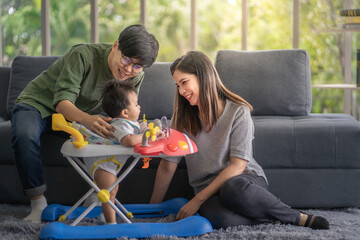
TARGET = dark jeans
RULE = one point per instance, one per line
(27, 126)
(245, 200)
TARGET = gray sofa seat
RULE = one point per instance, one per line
(311, 160)
(314, 141)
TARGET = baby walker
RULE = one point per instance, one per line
(173, 144)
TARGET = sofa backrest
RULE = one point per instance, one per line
(274, 82)
(23, 70)
(157, 91)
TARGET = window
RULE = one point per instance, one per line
(114, 16)
(69, 24)
(320, 22)
(325, 49)
(219, 25)
(169, 21)
(270, 24)
(21, 29)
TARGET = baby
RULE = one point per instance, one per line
(120, 102)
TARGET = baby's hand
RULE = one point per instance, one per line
(160, 135)
(143, 126)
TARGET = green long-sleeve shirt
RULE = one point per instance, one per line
(77, 76)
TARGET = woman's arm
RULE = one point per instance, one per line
(95, 123)
(236, 167)
(164, 174)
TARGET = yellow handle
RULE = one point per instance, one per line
(60, 124)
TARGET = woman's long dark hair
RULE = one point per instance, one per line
(188, 118)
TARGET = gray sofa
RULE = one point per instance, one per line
(311, 160)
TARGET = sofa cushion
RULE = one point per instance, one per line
(23, 70)
(4, 85)
(7, 155)
(275, 82)
(157, 91)
(317, 141)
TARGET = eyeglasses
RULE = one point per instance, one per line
(127, 61)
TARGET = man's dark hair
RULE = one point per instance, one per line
(136, 42)
(115, 96)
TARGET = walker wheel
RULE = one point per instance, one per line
(130, 215)
(62, 218)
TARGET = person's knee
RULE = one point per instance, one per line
(104, 180)
(26, 143)
(235, 195)
(26, 123)
(237, 185)
(27, 135)
(24, 134)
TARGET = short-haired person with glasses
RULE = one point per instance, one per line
(73, 86)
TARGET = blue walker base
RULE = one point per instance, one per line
(191, 226)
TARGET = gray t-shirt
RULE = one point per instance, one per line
(231, 136)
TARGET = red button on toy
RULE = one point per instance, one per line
(172, 147)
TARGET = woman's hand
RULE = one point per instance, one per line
(99, 125)
(188, 209)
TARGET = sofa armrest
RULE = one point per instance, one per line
(4, 88)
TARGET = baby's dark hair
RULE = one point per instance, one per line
(115, 96)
